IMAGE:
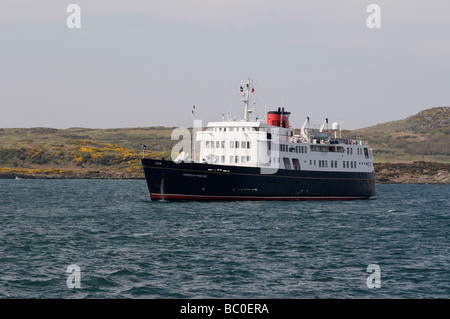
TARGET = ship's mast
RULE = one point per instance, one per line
(246, 89)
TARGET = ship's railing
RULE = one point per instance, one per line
(298, 139)
(348, 141)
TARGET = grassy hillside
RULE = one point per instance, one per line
(422, 137)
(80, 151)
(115, 153)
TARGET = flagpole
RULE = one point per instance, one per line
(193, 134)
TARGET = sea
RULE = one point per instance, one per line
(105, 239)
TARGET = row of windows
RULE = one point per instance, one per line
(352, 164)
(242, 144)
(287, 163)
(233, 129)
(233, 144)
(320, 163)
(321, 148)
(360, 151)
(333, 164)
(232, 159)
(242, 159)
(285, 148)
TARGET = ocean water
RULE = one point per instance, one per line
(127, 246)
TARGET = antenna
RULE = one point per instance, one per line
(246, 89)
(193, 133)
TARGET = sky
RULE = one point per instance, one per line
(146, 63)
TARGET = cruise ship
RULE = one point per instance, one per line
(252, 159)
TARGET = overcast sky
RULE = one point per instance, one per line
(145, 63)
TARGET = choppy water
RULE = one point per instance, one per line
(130, 247)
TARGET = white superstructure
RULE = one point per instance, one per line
(275, 144)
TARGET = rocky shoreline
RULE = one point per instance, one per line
(385, 173)
(420, 172)
(17, 173)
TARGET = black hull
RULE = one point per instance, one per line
(194, 181)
